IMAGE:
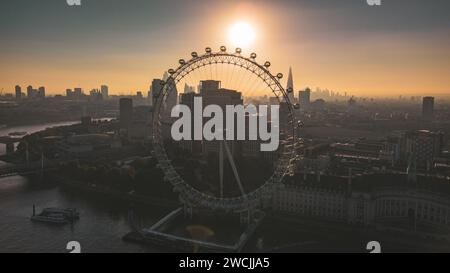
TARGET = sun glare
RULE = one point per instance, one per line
(241, 34)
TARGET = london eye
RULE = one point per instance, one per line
(239, 70)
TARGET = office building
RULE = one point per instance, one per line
(104, 91)
(41, 92)
(428, 108)
(18, 92)
(305, 98)
(78, 92)
(155, 90)
(31, 93)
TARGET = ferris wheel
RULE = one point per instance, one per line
(286, 155)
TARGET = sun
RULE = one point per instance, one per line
(241, 34)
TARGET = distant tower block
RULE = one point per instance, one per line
(18, 92)
(104, 91)
(305, 98)
(428, 108)
(155, 90)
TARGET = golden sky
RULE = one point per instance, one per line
(352, 47)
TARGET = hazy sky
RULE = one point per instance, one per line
(403, 46)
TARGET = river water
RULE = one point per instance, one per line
(100, 228)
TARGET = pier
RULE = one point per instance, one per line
(167, 232)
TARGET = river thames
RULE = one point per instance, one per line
(100, 229)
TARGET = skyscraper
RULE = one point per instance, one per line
(18, 92)
(77, 92)
(155, 90)
(212, 94)
(30, 92)
(126, 112)
(428, 108)
(305, 98)
(41, 92)
(69, 93)
(104, 91)
(290, 87)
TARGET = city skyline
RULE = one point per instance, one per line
(346, 46)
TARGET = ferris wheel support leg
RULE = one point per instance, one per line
(221, 169)
(233, 166)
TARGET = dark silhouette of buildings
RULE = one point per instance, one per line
(155, 90)
(76, 94)
(126, 112)
(34, 93)
(30, 92)
(104, 91)
(428, 108)
(18, 92)
(305, 98)
(41, 92)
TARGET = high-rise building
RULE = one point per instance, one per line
(209, 85)
(305, 98)
(77, 93)
(95, 94)
(41, 92)
(428, 108)
(155, 90)
(126, 112)
(69, 93)
(290, 87)
(18, 92)
(104, 91)
(30, 92)
(190, 145)
(212, 93)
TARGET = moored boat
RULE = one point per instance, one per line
(56, 215)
